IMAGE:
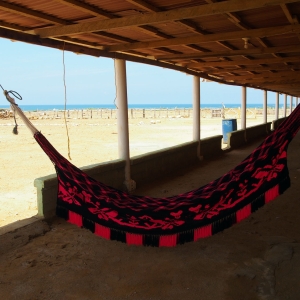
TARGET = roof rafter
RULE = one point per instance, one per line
(91, 9)
(158, 17)
(255, 51)
(196, 39)
(272, 60)
(255, 68)
(21, 10)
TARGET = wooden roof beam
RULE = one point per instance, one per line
(271, 80)
(292, 19)
(214, 37)
(159, 17)
(255, 51)
(144, 5)
(88, 8)
(289, 74)
(244, 62)
(29, 13)
(258, 69)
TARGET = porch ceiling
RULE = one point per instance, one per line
(251, 43)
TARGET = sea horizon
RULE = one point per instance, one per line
(47, 107)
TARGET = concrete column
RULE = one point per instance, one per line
(122, 119)
(265, 107)
(243, 108)
(297, 101)
(284, 105)
(196, 112)
(291, 104)
(277, 107)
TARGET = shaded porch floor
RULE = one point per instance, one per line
(258, 258)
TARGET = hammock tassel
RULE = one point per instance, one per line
(203, 232)
(272, 193)
(102, 231)
(134, 239)
(75, 219)
(168, 240)
(243, 213)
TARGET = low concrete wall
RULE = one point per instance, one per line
(276, 123)
(110, 173)
(239, 138)
(144, 168)
(211, 146)
(254, 132)
(157, 164)
(236, 139)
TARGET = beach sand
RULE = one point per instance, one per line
(93, 139)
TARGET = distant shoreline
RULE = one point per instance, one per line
(53, 107)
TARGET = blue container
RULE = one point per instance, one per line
(228, 125)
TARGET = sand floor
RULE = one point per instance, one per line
(258, 258)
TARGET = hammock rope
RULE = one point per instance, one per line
(140, 220)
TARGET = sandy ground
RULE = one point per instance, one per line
(258, 258)
(93, 139)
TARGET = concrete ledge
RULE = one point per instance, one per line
(211, 146)
(240, 137)
(258, 131)
(276, 123)
(144, 168)
(236, 139)
(110, 173)
(160, 163)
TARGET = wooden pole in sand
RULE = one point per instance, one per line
(265, 107)
(196, 112)
(277, 107)
(122, 120)
(284, 105)
(243, 107)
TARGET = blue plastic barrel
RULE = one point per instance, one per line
(228, 125)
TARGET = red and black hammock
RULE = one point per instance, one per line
(168, 221)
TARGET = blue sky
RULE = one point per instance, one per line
(36, 73)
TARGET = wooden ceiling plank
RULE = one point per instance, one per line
(255, 68)
(159, 17)
(144, 5)
(91, 9)
(289, 74)
(21, 10)
(245, 62)
(272, 80)
(255, 51)
(214, 37)
(287, 13)
(12, 26)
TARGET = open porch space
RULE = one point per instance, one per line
(258, 258)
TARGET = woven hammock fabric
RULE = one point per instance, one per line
(168, 221)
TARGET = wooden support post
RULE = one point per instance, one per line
(243, 107)
(284, 105)
(122, 120)
(196, 112)
(277, 107)
(265, 107)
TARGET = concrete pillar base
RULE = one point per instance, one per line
(130, 185)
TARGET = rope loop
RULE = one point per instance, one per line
(12, 102)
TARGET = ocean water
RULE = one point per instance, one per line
(38, 107)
